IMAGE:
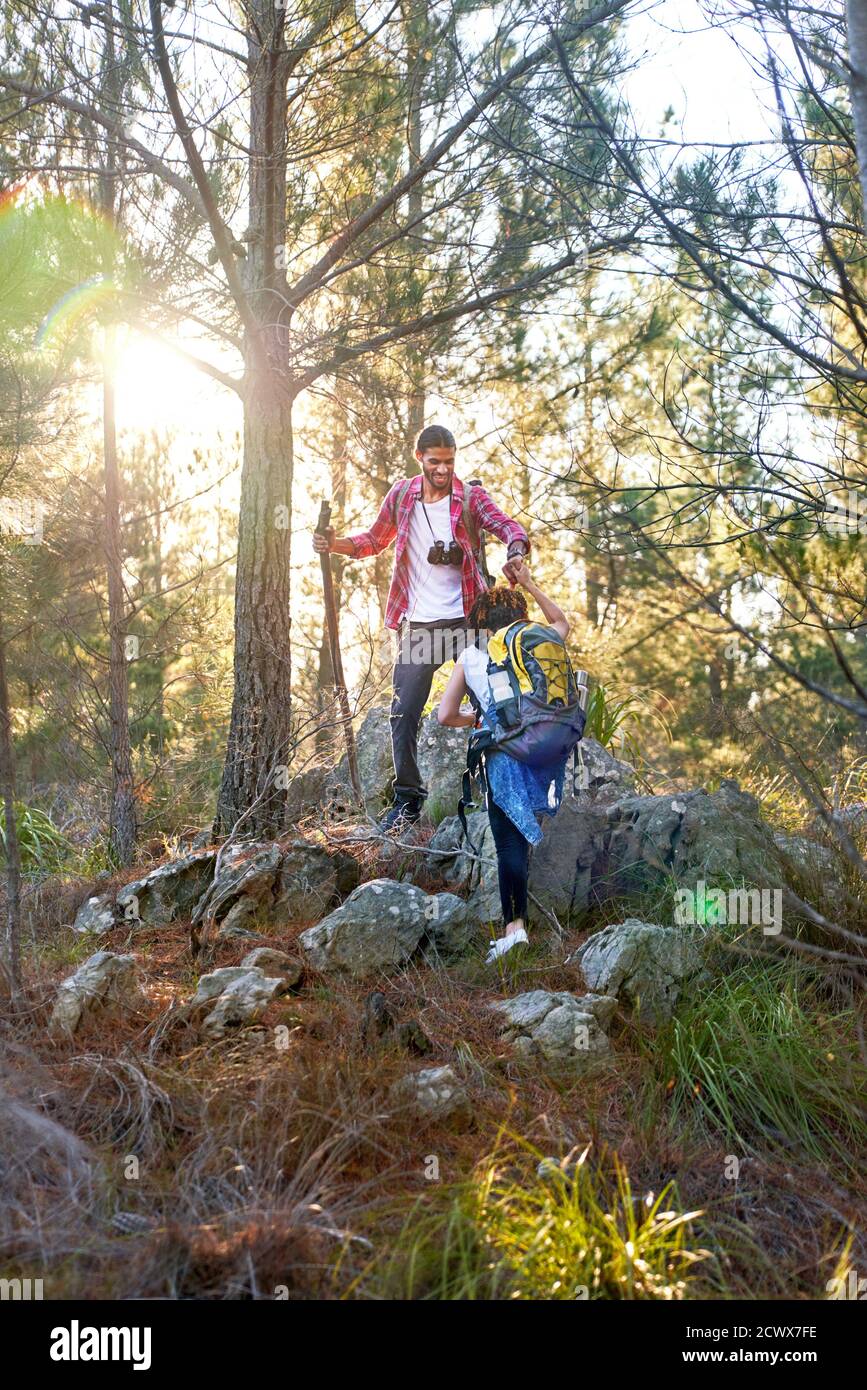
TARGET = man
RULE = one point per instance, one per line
(435, 521)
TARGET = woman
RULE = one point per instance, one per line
(516, 793)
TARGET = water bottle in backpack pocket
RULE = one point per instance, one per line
(537, 716)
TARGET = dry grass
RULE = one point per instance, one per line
(140, 1160)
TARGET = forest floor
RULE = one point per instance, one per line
(720, 1156)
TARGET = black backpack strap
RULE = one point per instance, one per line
(479, 745)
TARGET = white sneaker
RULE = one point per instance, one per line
(504, 944)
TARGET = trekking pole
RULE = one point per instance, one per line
(331, 624)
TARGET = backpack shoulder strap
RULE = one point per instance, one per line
(467, 516)
(402, 489)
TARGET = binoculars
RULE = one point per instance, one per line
(438, 555)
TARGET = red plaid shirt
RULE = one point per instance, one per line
(484, 512)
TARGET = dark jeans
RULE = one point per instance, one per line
(424, 648)
(513, 862)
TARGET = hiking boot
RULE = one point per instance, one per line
(405, 812)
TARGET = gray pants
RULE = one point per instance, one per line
(423, 649)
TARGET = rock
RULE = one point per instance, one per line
(599, 773)
(412, 1036)
(277, 963)
(242, 993)
(96, 916)
(647, 964)
(168, 892)
(105, 981)
(211, 986)
(379, 926)
(442, 760)
(306, 793)
(435, 1093)
(237, 920)
(242, 890)
(563, 1029)
(232, 931)
(450, 924)
(376, 1017)
(375, 766)
(561, 866)
(807, 856)
(310, 883)
(564, 867)
(451, 857)
(244, 884)
(716, 837)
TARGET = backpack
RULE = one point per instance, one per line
(476, 538)
(538, 711)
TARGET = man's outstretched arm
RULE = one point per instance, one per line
(489, 517)
(364, 543)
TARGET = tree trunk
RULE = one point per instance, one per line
(123, 821)
(856, 24)
(255, 772)
(254, 775)
(716, 721)
(325, 673)
(416, 30)
(122, 833)
(12, 952)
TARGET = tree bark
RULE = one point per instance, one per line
(325, 672)
(856, 24)
(12, 952)
(258, 746)
(123, 817)
(416, 28)
(254, 776)
(122, 832)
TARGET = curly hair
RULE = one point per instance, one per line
(498, 607)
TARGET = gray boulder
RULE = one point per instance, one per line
(96, 916)
(310, 882)
(716, 837)
(244, 884)
(379, 926)
(276, 963)
(853, 817)
(168, 892)
(306, 792)
(565, 866)
(442, 760)
(232, 929)
(602, 844)
(104, 982)
(561, 866)
(375, 767)
(451, 857)
(241, 992)
(599, 773)
(649, 965)
(450, 924)
(436, 1093)
(561, 1029)
(807, 856)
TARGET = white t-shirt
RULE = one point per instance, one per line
(434, 590)
(475, 664)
